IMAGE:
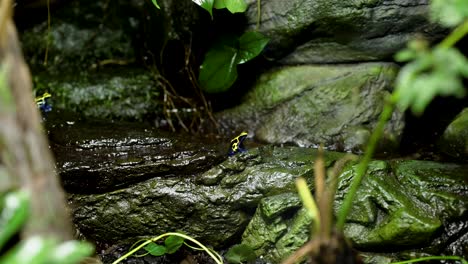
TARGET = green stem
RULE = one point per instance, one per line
(258, 14)
(362, 166)
(457, 34)
(48, 34)
(309, 203)
(431, 258)
(217, 258)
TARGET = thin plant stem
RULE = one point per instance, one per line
(457, 34)
(258, 14)
(319, 171)
(48, 33)
(362, 166)
(309, 247)
(309, 203)
(431, 258)
(201, 249)
(217, 258)
(326, 202)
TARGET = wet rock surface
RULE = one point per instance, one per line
(140, 184)
(417, 206)
(337, 31)
(100, 157)
(454, 140)
(114, 93)
(337, 105)
(214, 206)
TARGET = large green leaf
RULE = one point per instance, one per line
(240, 254)
(34, 250)
(219, 4)
(219, 69)
(13, 215)
(449, 12)
(236, 6)
(432, 73)
(251, 44)
(173, 243)
(70, 252)
(205, 4)
(155, 249)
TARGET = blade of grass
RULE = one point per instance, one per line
(362, 166)
(309, 203)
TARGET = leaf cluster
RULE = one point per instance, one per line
(219, 69)
(435, 71)
(234, 6)
(430, 72)
(240, 253)
(34, 250)
(449, 12)
(171, 245)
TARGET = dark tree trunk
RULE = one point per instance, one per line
(24, 149)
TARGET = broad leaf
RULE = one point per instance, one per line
(33, 250)
(240, 254)
(70, 252)
(219, 4)
(236, 6)
(432, 73)
(155, 249)
(155, 3)
(219, 69)
(251, 44)
(449, 12)
(205, 4)
(405, 55)
(173, 243)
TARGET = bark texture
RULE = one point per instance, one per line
(24, 149)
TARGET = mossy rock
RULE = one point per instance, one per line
(307, 105)
(112, 93)
(335, 31)
(454, 141)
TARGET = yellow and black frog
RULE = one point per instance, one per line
(237, 144)
(43, 102)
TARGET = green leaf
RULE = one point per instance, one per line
(405, 55)
(173, 243)
(155, 3)
(240, 253)
(433, 73)
(251, 44)
(34, 250)
(449, 12)
(155, 249)
(219, 4)
(219, 69)
(205, 4)
(14, 213)
(70, 252)
(236, 6)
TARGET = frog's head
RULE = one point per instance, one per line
(237, 145)
(42, 102)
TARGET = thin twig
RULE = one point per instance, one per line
(48, 33)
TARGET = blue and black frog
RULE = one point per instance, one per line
(237, 144)
(43, 103)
